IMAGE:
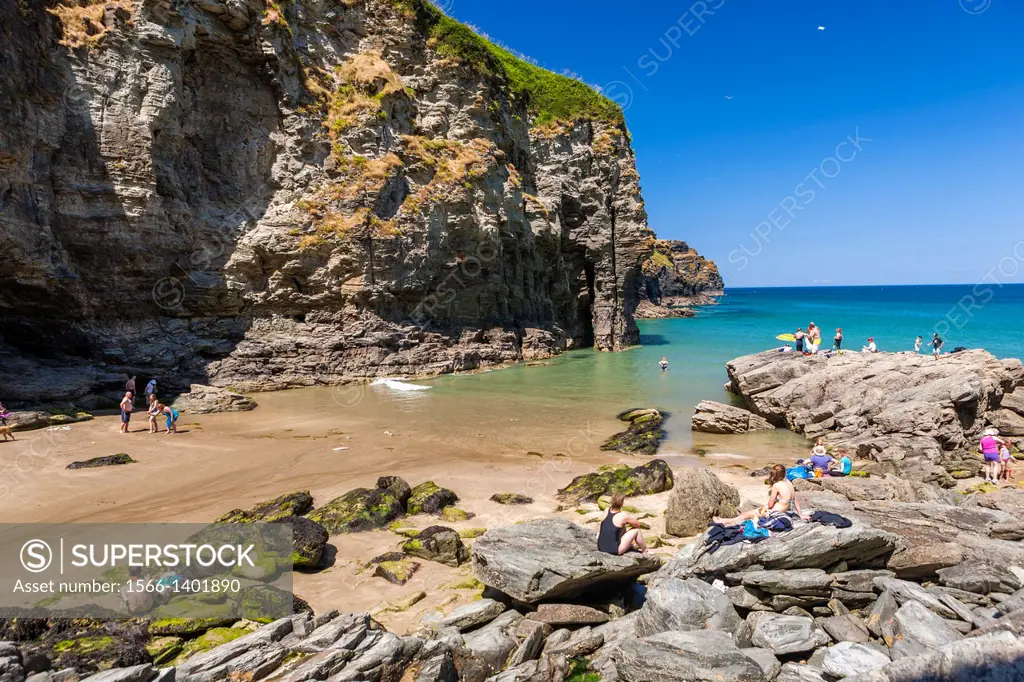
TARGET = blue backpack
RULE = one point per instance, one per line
(794, 473)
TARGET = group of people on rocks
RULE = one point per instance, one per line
(809, 342)
(154, 408)
(821, 463)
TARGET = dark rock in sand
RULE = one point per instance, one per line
(689, 604)
(105, 461)
(438, 543)
(549, 558)
(511, 498)
(697, 497)
(648, 479)
(685, 657)
(364, 509)
(430, 498)
(309, 539)
(202, 399)
(293, 504)
(643, 436)
(712, 417)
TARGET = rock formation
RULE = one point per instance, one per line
(913, 415)
(712, 417)
(264, 195)
(676, 277)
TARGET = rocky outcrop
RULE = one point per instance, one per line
(696, 499)
(299, 193)
(712, 417)
(289, 504)
(549, 558)
(676, 276)
(202, 399)
(365, 509)
(647, 479)
(915, 416)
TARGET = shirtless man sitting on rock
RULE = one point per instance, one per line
(781, 500)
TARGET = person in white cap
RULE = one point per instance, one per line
(990, 444)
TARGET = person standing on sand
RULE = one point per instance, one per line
(937, 345)
(129, 386)
(664, 364)
(990, 445)
(799, 336)
(613, 537)
(126, 411)
(917, 345)
(838, 339)
(153, 412)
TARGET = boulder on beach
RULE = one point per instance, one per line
(309, 539)
(290, 504)
(549, 558)
(202, 399)
(437, 543)
(698, 496)
(395, 567)
(364, 509)
(429, 498)
(105, 461)
(690, 604)
(511, 498)
(713, 417)
(642, 437)
(647, 479)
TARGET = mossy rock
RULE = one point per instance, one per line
(91, 645)
(430, 498)
(511, 498)
(981, 488)
(185, 627)
(394, 567)
(454, 515)
(164, 649)
(267, 566)
(406, 532)
(653, 477)
(644, 435)
(604, 501)
(860, 474)
(309, 539)
(440, 544)
(291, 504)
(579, 671)
(105, 461)
(363, 509)
(207, 641)
(262, 603)
(470, 533)
(961, 474)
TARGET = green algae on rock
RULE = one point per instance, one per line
(105, 461)
(394, 567)
(511, 498)
(291, 504)
(642, 437)
(164, 649)
(208, 640)
(438, 543)
(363, 509)
(648, 479)
(430, 498)
(454, 515)
(186, 627)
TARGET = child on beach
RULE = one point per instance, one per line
(153, 412)
(917, 345)
(1005, 460)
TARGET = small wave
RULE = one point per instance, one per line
(398, 385)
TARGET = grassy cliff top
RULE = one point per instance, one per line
(549, 97)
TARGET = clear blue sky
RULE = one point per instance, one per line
(936, 196)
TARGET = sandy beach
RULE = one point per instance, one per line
(330, 441)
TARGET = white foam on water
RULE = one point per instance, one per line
(398, 385)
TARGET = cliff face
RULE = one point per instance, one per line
(676, 275)
(264, 194)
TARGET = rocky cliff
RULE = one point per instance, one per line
(272, 193)
(675, 277)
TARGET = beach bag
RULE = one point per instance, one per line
(794, 473)
(754, 534)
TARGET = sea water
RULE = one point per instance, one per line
(584, 384)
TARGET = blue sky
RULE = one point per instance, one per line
(937, 86)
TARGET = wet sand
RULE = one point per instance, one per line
(223, 461)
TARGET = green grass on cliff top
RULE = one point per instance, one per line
(549, 97)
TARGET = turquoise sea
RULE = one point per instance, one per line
(744, 321)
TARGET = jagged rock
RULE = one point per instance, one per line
(676, 275)
(489, 647)
(923, 561)
(1013, 531)
(993, 657)
(749, 598)
(685, 657)
(845, 628)
(340, 633)
(528, 649)
(915, 630)
(135, 673)
(568, 614)
(582, 642)
(882, 611)
(206, 399)
(309, 539)
(105, 461)
(549, 558)
(783, 634)
(689, 604)
(363, 509)
(511, 498)
(770, 665)
(796, 672)
(11, 663)
(473, 614)
(860, 580)
(438, 543)
(644, 435)
(846, 659)
(439, 668)
(980, 577)
(648, 479)
(547, 669)
(696, 498)
(807, 581)
(395, 567)
(806, 546)
(712, 417)
(429, 498)
(939, 408)
(905, 591)
(292, 504)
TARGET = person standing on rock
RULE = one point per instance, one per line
(613, 536)
(917, 345)
(1005, 460)
(936, 344)
(799, 336)
(990, 445)
(126, 411)
(838, 339)
(814, 337)
(781, 500)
